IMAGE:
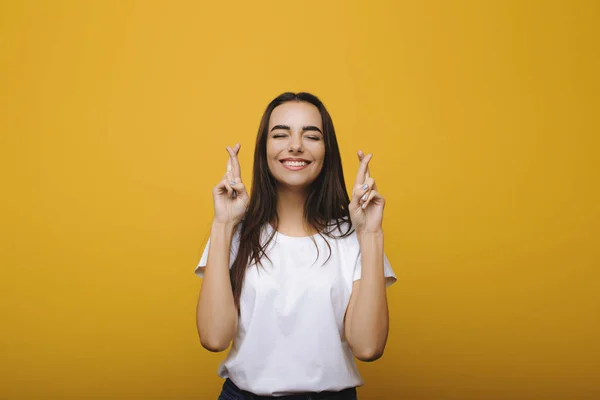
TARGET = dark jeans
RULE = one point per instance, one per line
(232, 392)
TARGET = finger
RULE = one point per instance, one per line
(230, 191)
(231, 181)
(239, 188)
(360, 193)
(361, 155)
(229, 167)
(235, 164)
(236, 150)
(362, 169)
(220, 187)
(374, 196)
(223, 187)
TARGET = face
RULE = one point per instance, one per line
(295, 145)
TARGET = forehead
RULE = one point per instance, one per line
(295, 113)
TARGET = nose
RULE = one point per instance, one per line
(296, 144)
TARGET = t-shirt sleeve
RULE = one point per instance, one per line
(388, 272)
(235, 243)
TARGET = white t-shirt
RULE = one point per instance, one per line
(290, 335)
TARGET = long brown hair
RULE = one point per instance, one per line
(325, 208)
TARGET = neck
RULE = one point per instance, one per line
(290, 211)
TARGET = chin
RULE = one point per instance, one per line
(294, 184)
(299, 183)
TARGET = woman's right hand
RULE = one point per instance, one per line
(230, 196)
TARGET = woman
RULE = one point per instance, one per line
(295, 274)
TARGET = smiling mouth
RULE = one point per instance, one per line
(295, 165)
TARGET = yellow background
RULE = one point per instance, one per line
(483, 119)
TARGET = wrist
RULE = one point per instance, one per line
(226, 227)
(367, 232)
(364, 235)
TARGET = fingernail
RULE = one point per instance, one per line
(232, 182)
(364, 197)
(365, 186)
(364, 205)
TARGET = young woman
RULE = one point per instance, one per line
(294, 274)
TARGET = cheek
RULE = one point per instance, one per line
(319, 152)
(274, 148)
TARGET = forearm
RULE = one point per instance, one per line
(369, 322)
(217, 316)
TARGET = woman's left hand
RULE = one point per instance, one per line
(366, 207)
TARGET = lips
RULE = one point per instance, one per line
(294, 164)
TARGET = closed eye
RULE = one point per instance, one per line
(279, 135)
(314, 137)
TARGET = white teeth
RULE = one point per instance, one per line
(295, 163)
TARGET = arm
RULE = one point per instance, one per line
(367, 319)
(216, 314)
(366, 322)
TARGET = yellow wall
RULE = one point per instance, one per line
(483, 118)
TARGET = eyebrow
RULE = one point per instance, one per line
(304, 128)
